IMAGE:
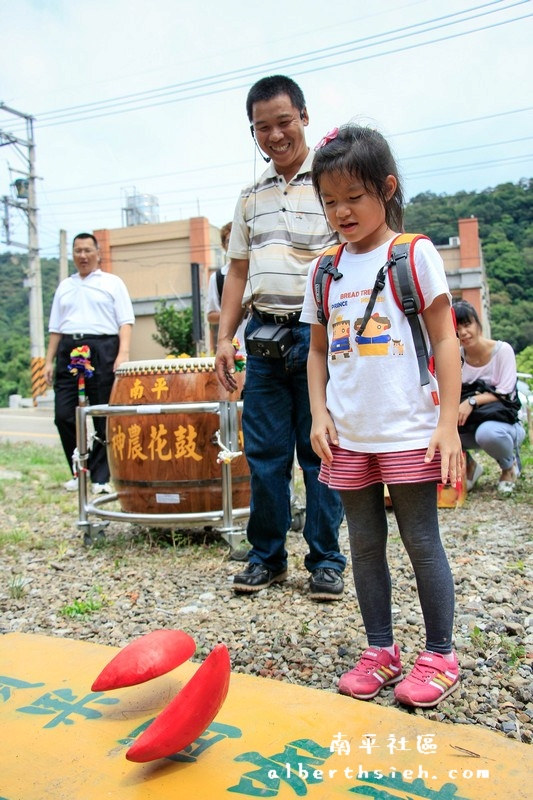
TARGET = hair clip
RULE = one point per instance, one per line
(330, 135)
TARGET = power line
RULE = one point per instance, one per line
(244, 71)
(463, 121)
(62, 116)
(465, 149)
(211, 168)
(476, 165)
(408, 175)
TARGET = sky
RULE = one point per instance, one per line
(130, 96)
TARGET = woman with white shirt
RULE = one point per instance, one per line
(494, 363)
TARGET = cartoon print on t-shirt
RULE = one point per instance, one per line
(340, 338)
(373, 341)
(398, 347)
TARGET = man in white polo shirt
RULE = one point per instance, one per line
(90, 308)
(278, 229)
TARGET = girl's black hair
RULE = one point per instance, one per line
(465, 313)
(365, 154)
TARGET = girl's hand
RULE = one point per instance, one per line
(446, 440)
(323, 432)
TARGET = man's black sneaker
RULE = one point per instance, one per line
(326, 583)
(256, 577)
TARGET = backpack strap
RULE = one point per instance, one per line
(404, 280)
(219, 277)
(325, 270)
(408, 295)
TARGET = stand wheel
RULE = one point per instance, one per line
(298, 520)
(240, 553)
(94, 536)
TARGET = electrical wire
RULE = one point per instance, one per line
(100, 109)
(323, 52)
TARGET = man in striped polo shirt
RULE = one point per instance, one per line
(278, 229)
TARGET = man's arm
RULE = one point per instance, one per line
(230, 317)
(53, 344)
(124, 335)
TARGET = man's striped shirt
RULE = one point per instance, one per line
(279, 228)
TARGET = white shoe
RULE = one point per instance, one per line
(471, 482)
(102, 488)
(506, 487)
(71, 485)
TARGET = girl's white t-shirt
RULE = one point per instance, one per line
(373, 393)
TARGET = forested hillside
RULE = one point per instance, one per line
(14, 321)
(505, 216)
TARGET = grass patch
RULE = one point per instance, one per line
(36, 461)
(489, 645)
(34, 497)
(17, 587)
(36, 512)
(82, 607)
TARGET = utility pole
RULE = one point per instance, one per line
(63, 256)
(27, 202)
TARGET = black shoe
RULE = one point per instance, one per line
(326, 583)
(256, 577)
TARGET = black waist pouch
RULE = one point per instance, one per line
(270, 341)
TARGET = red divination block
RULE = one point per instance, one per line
(190, 713)
(145, 658)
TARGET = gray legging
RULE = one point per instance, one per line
(415, 508)
(499, 439)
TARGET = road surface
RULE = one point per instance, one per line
(28, 425)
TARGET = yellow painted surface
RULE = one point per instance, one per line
(270, 739)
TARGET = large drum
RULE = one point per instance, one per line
(167, 463)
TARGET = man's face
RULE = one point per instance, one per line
(86, 256)
(279, 129)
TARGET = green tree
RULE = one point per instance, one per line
(524, 361)
(506, 232)
(15, 375)
(174, 329)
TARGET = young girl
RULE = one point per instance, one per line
(373, 422)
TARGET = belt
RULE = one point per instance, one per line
(77, 337)
(277, 319)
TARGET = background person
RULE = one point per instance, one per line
(278, 228)
(494, 363)
(214, 294)
(90, 308)
(373, 422)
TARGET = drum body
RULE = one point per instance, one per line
(167, 463)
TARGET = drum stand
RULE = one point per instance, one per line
(94, 532)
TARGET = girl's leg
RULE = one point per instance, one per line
(367, 528)
(415, 508)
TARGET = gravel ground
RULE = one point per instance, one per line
(139, 580)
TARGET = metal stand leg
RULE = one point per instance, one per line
(93, 533)
(234, 535)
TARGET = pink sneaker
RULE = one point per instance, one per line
(430, 681)
(375, 669)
